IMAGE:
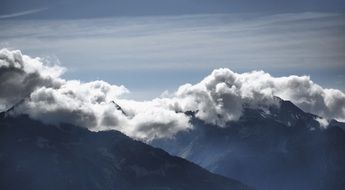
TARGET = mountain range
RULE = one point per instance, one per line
(273, 147)
(34, 155)
(270, 147)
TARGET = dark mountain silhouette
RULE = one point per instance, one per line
(36, 156)
(278, 147)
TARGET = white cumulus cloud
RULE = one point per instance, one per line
(21, 74)
(52, 99)
(217, 99)
(220, 97)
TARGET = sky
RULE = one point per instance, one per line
(151, 46)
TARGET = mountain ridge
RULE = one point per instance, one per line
(34, 155)
(274, 147)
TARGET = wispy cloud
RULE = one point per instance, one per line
(22, 13)
(188, 41)
(98, 48)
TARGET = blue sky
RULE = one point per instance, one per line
(90, 8)
(155, 45)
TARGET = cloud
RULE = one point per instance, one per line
(23, 13)
(322, 121)
(90, 105)
(52, 99)
(220, 97)
(217, 99)
(74, 102)
(187, 42)
(190, 45)
(20, 75)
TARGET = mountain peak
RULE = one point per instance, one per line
(274, 147)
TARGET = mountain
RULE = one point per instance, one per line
(34, 155)
(269, 148)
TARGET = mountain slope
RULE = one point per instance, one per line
(37, 156)
(279, 147)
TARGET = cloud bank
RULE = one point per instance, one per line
(20, 75)
(220, 97)
(52, 99)
(217, 99)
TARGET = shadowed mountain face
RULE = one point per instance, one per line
(280, 147)
(37, 156)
